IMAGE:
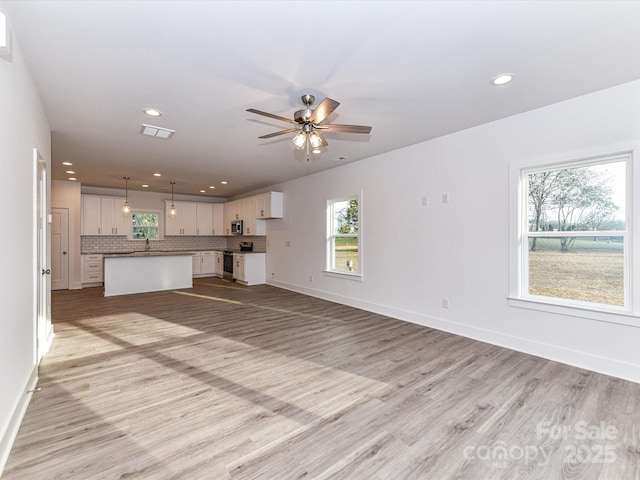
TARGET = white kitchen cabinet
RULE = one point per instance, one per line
(249, 268)
(204, 219)
(113, 221)
(91, 215)
(208, 263)
(232, 211)
(210, 219)
(103, 216)
(219, 266)
(249, 212)
(218, 219)
(91, 269)
(238, 267)
(204, 264)
(269, 205)
(185, 220)
(196, 263)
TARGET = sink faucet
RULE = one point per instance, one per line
(147, 247)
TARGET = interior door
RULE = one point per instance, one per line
(59, 249)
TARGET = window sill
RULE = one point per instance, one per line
(621, 317)
(345, 275)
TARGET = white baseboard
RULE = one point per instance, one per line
(580, 359)
(9, 436)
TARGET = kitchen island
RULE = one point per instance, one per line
(141, 272)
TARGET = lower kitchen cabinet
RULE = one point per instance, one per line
(219, 264)
(204, 264)
(249, 268)
(91, 269)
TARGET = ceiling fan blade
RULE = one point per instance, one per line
(271, 115)
(281, 132)
(346, 128)
(322, 111)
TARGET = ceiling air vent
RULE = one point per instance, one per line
(159, 132)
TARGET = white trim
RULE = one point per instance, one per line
(10, 434)
(345, 275)
(518, 254)
(575, 358)
(330, 235)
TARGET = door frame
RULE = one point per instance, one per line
(43, 330)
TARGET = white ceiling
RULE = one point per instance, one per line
(412, 70)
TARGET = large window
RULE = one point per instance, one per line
(574, 237)
(343, 236)
(145, 225)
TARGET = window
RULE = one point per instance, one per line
(343, 236)
(574, 236)
(145, 225)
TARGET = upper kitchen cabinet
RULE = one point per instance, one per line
(103, 216)
(112, 218)
(209, 219)
(218, 219)
(204, 219)
(185, 220)
(194, 219)
(269, 205)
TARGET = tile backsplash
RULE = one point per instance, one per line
(110, 244)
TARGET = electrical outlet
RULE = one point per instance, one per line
(445, 198)
(287, 243)
(425, 201)
(445, 303)
(273, 274)
(311, 278)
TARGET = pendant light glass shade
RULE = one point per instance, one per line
(315, 140)
(125, 208)
(172, 210)
(300, 140)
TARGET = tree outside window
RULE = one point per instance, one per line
(145, 225)
(575, 238)
(343, 253)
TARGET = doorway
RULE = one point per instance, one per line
(59, 248)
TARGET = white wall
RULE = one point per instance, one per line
(416, 255)
(23, 126)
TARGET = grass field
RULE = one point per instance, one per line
(590, 271)
(347, 249)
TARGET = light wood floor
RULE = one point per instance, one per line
(229, 382)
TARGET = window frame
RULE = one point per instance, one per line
(519, 239)
(145, 210)
(330, 270)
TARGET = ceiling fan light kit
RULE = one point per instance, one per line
(308, 121)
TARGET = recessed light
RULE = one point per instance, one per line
(67, 164)
(224, 182)
(73, 179)
(152, 112)
(502, 79)
(202, 191)
(157, 174)
(145, 186)
(70, 172)
(211, 186)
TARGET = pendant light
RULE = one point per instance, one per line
(172, 211)
(125, 208)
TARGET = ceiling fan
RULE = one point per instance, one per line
(308, 123)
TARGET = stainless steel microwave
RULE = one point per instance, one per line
(236, 227)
